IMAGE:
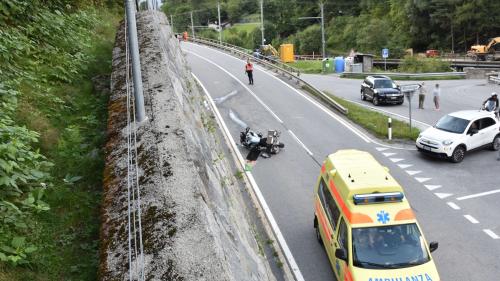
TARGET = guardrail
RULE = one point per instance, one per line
(494, 77)
(406, 75)
(285, 69)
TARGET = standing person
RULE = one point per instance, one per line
(249, 71)
(436, 93)
(491, 104)
(421, 96)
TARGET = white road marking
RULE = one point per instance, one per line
(300, 142)
(411, 173)
(387, 154)
(320, 106)
(421, 180)
(471, 219)
(242, 84)
(396, 160)
(443, 195)
(453, 206)
(491, 233)
(432, 187)
(478, 194)
(381, 148)
(267, 211)
(404, 166)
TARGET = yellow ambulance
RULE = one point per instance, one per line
(366, 224)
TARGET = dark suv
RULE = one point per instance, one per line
(381, 89)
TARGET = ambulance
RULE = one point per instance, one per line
(365, 223)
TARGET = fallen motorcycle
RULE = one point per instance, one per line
(268, 145)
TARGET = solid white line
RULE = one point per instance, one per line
(471, 219)
(478, 194)
(390, 113)
(320, 106)
(453, 206)
(491, 233)
(274, 225)
(242, 84)
(300, 142)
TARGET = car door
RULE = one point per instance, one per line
(487, 130)
(473, 140)
(369, 89)
(341, 242)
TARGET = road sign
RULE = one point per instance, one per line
(409, 88)
(385, 53)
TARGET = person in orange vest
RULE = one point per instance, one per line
(249, 71)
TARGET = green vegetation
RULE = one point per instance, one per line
(52, 130)
(413, 64)
(308, 66)
(364, 25)
(376, 122)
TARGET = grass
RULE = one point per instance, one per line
(376, 122)
(247, 27)
(72, 137)
(397, 76)
(308, 66)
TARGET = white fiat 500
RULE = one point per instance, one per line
(458, 132)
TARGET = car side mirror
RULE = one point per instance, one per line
(473, 131)
(341, 254)
(433, 246)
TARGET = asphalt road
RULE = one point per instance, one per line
(455, 95)
(465, 227)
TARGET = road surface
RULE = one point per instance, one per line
(456, 204)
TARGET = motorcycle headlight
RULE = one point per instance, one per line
(447, 142)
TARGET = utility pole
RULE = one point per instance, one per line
(192, 25)
(262, 20)
(220, 26)
(321, 5)
(136, 62)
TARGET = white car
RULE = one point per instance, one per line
(458, 132)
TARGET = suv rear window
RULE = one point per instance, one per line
(383, 83)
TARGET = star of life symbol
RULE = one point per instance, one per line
(383, 217)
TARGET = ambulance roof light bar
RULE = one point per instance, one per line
(374, 198)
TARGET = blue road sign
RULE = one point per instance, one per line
(385, 53)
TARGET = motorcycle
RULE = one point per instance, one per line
(268, 145)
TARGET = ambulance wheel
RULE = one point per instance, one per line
(316, 228)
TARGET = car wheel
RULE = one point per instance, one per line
(363, 95)
(495, 145)
(316, 228)
(458, 154)
(375, 100)
(401, 102)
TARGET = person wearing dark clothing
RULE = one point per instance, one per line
(491, 104)
(249, 71)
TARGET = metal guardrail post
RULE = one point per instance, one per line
(136, 62)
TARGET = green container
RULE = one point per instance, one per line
(328, 65)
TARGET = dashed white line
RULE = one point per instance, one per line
(491, 233)
(411, 173)
(453, 206)
(421, 180)
(300, 142)
(471, 219)
(432, 187)
(241, 83)
(404, 166)
(443, 195)
(381, 148)
(396, 160)
(478, 194)
(387, 154)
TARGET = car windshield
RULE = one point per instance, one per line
(452, 124)
(383, 83)
(395, 246)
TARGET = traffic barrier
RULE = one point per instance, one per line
(277, 66)
(406, 75)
